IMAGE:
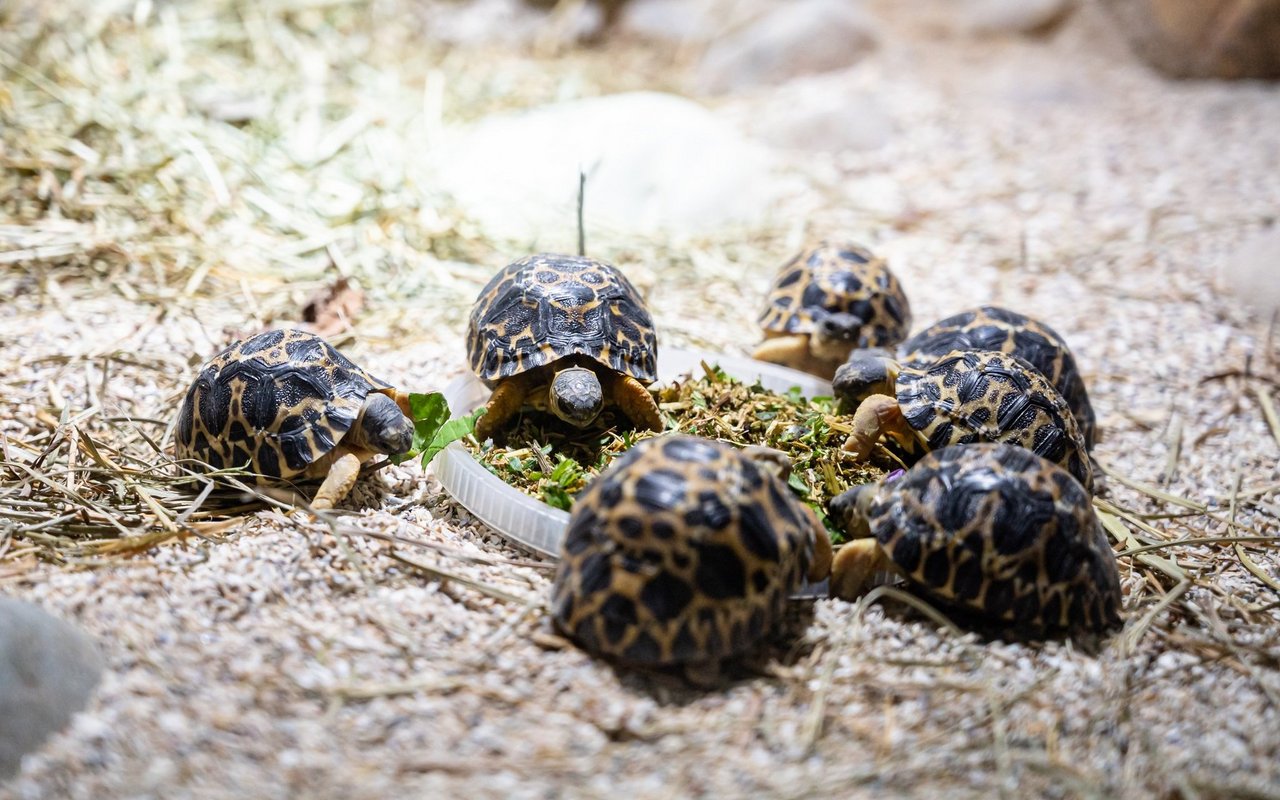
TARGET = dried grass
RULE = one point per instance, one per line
(172, 174)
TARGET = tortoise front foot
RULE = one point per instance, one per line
(338, 482)
(503, 404)
(854, 567)
(877, 415)
(789, 351)
(637, 403)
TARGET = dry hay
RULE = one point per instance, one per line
(175, 174)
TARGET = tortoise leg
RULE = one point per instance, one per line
(789, 351)
(505, 401)
(877, 415)
(636, 402)
(337, 484)
(855, 565)
(820, 567)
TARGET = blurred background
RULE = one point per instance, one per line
(175, 174)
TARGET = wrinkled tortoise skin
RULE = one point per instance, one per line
(999, 530)
(683, 551)
(838, 277)
(546, 307)
(1005, 331)
(278, 402)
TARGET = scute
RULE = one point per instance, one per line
(277, 401)
(692, 576)
(1029, 525)
(1001, 330)
(838, 277)
(545, 307)
(971, 396)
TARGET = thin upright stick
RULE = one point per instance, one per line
(582, 231)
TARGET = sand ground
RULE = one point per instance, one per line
(291, 657)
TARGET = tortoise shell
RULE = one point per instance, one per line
(999, 530)
(972, 396)
(838, 277)
(1004, 331)
(683, 551)
(278, 402)
(546, 307)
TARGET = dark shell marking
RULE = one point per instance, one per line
(545, 307)
(278, 402)
(838, 277)
(684, 550)
(1004, 331)
(967, 397)
(997, 529)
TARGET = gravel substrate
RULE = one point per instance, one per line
(291, 657)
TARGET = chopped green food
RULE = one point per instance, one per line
(551, 461)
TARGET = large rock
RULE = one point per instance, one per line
(672, 20)
(988, 17)
(47, 670)
(655, 162)
(1204, 38)
(823, 119)
(804, 37)
(1252, 273)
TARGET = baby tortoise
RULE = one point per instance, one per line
(827, 301)
(683, 553)
(289, 406)
(1004, 331)
(568, 334)
(963, 397)
(989, 527)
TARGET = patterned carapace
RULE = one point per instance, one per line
(968, 396)
(997, 529)
(1001, 330)
(277, 402)
(838, 277)
(546, 307)
(683, 551)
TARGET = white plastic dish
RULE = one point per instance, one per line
(537, 526)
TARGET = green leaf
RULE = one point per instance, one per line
(428, 412)
(567, 472)
(555, 496)
(450, 432)
(432, 429)
(797, 483)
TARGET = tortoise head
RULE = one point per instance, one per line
(867, 372)
(835, 334)
(382, 426)
(856, 563)
(575, 396)
(851, 510)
